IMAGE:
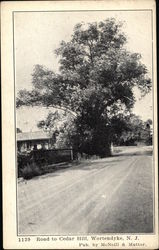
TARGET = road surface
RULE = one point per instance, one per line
(111, 195)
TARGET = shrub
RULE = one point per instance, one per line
(30, 170)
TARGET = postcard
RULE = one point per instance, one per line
(79, 125)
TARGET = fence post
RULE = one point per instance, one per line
(112, 148)
(71, 154)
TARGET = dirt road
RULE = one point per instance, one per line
(111, 195)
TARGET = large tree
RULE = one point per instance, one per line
(95, 84)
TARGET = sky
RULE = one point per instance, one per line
(38, 34)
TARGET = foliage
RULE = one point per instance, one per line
(95, 84)
(30, 170)
(41, 161)
(61, 126)
(135, 131)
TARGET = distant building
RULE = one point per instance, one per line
(33, 140)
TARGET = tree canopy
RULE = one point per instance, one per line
(95, 83)
(135, 131)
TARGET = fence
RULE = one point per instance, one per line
(51, 156)
(44, 157)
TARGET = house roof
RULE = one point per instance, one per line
(31, 136)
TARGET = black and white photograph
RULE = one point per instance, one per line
(84, 123)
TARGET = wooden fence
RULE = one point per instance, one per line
(44, 157)
(51, 156)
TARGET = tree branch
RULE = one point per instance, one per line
(52, 106)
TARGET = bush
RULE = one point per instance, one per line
(30, 170)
